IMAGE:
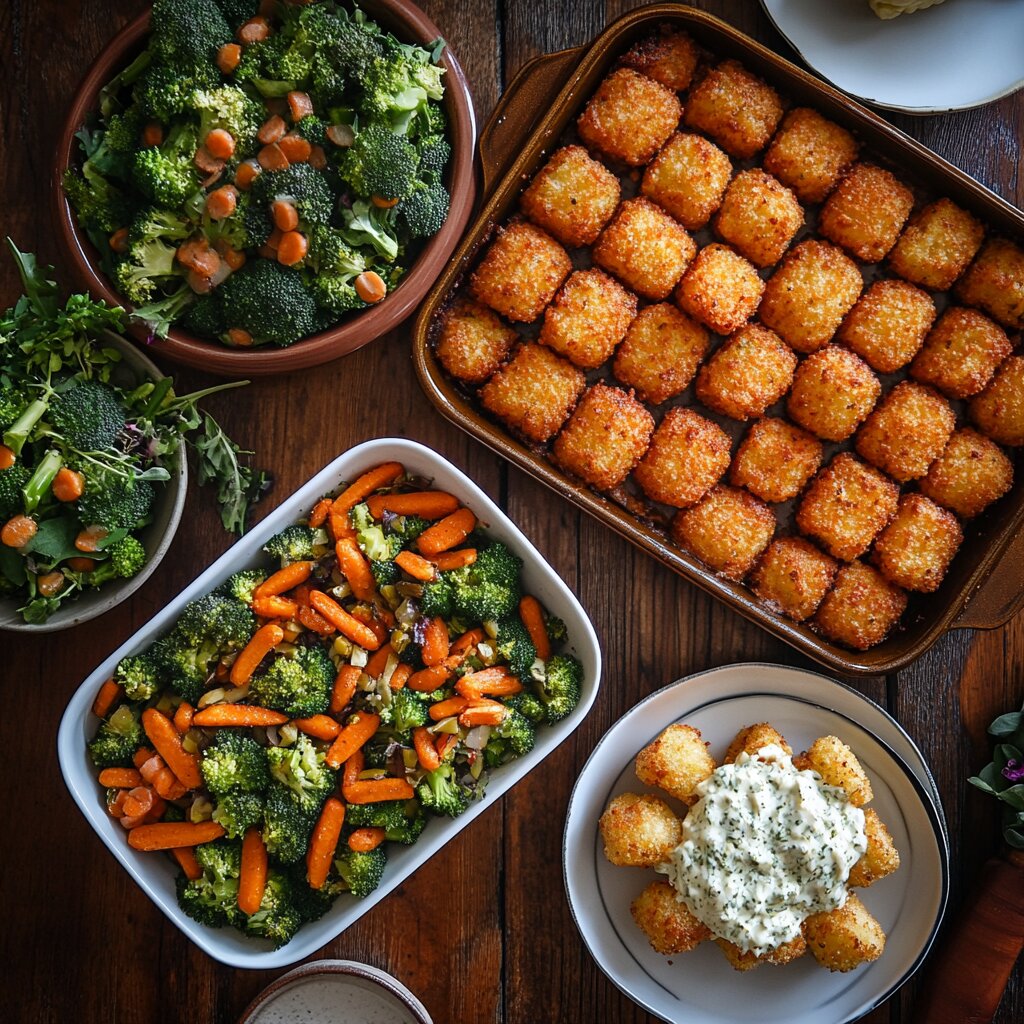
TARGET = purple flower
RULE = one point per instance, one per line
(1014, 770)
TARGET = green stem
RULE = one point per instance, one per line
(17, 434)
(41, 479)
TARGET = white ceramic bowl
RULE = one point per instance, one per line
(155, 874)
(700, 987)
(156, 538)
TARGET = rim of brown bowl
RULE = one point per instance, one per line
(405, 20)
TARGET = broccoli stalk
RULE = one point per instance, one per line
(38, 484)
(125, 559)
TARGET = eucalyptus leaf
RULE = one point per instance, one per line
(993, 778)
(1006, 725)
(1014, 796)
(1006, 752)
(981, 784)
(1014, 838)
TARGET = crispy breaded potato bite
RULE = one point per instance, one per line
(888, 324)
(677, 762)
(604, 438)
(629, 117)
(534, 392)
(520, 272)
(838, 766)
(907, 432)
(721, 289)
(473, 341)
(688, 178)
(843, 939)
(747, 961)
(644, 247)
(881, 858)
(752, 738)
(669, 57)
(660, 353)
(810, 154)
(866, 212)
(759, 217)
(969, 475)
(994, 282)
(833, 390)
(806, 299)
(937, 245)
(915, 549)
(736, 108)
(687, 457)
(571, 197)
(588, 318)
(727, 530)
(961, 353)
(793, 577)
(861, 607)
(639, 830)
(666, 920)
(846, 506)
(751, 371)
(775, 460)
(999, 409)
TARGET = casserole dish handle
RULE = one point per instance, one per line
(1001, 596)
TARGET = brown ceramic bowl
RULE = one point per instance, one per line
(407, 22)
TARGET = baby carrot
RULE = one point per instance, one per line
(162, 734)
(19, 530)
(497, 680)
(294, 246)
(221, 144)
(109, 693)
(252, 879)
(370, 286)
(374, 624)
(264, 640)
(353, 766)
(491, 713)
(365, 485)
(320, 512)
(7, 457)
(355, 568)
(217, 715)
(229, 56)
(425, 504)
(166, 835)
(427, 679)
(423, 741)
(187, 862)
(255, 30)
(314, 621)
(447, 533)
(360, 728)
(299, 105)
(284, 579)
(532, 614)
(400, 676)
(88, 540)
(344, 688)
(378, 661)
(296, 148)
(415, 565)
(323, 841)
(274, 607)
(435, 642)
(447, 708)
(141, 756)
(365, 839)
(445, 742)
(183, 717)
(348, 625)
(68, 484)
(120, 778)
(321, 727)
(340, 525)
(372, 790)
(447, 560)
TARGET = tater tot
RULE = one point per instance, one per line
(571, 197)
(660, 353)
(998, 411)
(747, 961)
(861, 607)
(676, 762)
(846, 506)
(669, 57)
(687, 457)
(520, 272)
(907, 432)
(994, 282)
(807, 297)
(866, 212)
(735, 107)
(645, 248)
(629, 117)
(888, 324)
(915, 549)
(534, 392)
(721, 289)
(793, 577)
(775, 460)
(961, 353)
(843, 939)
(810, 153)
(473, 341)
(751, 371)
(838, 766)
(588, 318)
(752, 738)
(970, 474)
(688, 178)
(726, 530)
(639, 830)
(881, 858)
(937, 245)
(759, 217)
(604, 438)
(833, 390)
(666, 920)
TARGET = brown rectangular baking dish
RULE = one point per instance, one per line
(985, 585)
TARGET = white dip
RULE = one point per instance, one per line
(763, 848)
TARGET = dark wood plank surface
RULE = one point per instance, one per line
(483, 932)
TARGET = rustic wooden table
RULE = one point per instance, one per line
(483, 932)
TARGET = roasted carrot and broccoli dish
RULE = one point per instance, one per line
(312, 710)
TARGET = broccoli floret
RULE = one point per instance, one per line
(238, 11)
(489, 588)
(125, 559)
(424, 210)
(370, 535)
(253, 220)
(434, 156)
(555, 627)
(385, 572)
(241, 585)
(230, 108)
(346, 50)
(313, 130)
(407, 528)
(441, 793)
(188, 33)
(299, 684)
(367, 224)
(123, 130)
(380, 163)
(12, 404)
(12, 480)
(335, 295)
(218, 619)
(235, 763)
(116, 503)
(287, 824)
(360, 873)
(152, 222)
(165, 93)
(515, 646)
(205, 317)
(409, 710)
(402, 821)
(437, 597)
(529, 705)
(517, 731)
(293, 544)
(89, 415)
(212, 899)
(560, 691)
(269, 301)
(331, 254)
(166, 174)
(305, 187)
(398, 86)
(138, 273)
(237, 812)
(101, 207)
(117, 739)
(302, 770)
(278, 917)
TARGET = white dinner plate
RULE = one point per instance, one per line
(700, 987)
(960, 54)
